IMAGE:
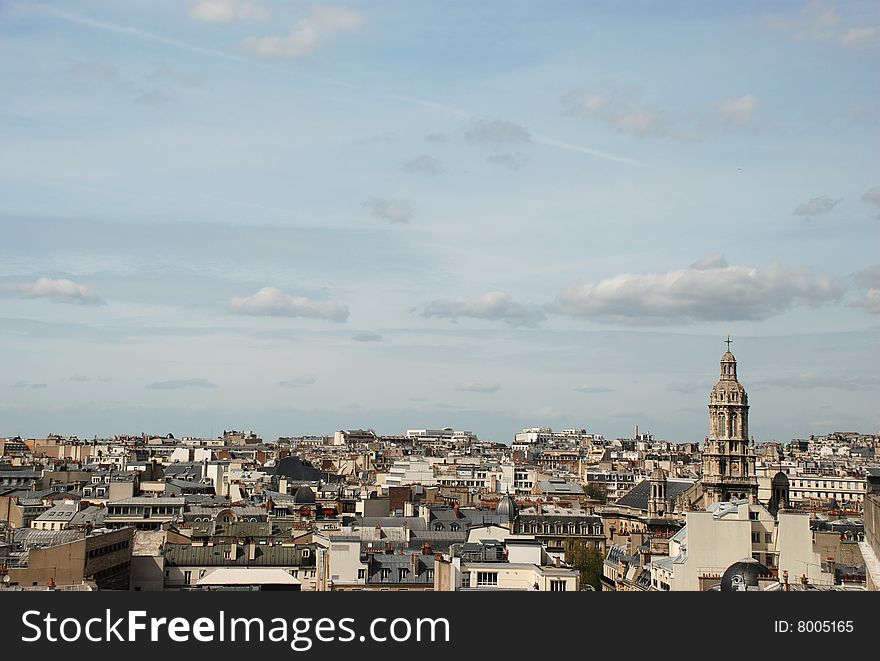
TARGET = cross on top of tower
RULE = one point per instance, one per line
(728, 342)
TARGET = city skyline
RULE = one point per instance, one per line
(297, 218)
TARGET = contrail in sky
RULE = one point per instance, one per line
(537, 138)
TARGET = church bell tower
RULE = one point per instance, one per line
(728, 457)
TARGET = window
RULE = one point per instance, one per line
(756, 538)
(386, 573)
(557, 586)
(362, 574)
(768, 538)
(487, 578)
(402, 574)
(753, 516)
(307, 553)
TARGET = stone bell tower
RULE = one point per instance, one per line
(728, 456)
(657, 500)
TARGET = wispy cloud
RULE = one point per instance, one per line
(125, 30)
(299, 381)
(273, 302)
(497, 306)
(495, 132)
(624, 113)
(713, 261)
(394, 210)
(424, 164)
(511, 161)
(812, 380)
(59, 291)
(872, 196)
(817, 206)
(821, 21)
(226, 11)
(861, 36)
(737, 111)
(28, 384)
(323, 24)
(477, 386)
(368, 337)
(594, 390)
(178, 384)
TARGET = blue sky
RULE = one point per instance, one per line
(297, 217)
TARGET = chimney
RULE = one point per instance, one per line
(414, 563)
(252, 551)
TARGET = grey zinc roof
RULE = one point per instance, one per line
(149, 500)
(411, 522)
(394, 563)
(59, 513)
(265, 555)
(554, 486)
(638, 496)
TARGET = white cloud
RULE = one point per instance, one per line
(724, 293)
(177, 384)
(589, 103)
(299, 381)
(424, 164)
(624, 112)
(641, 123)
(816, 21)
(59, 291)
(497, 306)
(870, 301)
(495, 132)
(872, 196)
(393, 210)
(369, 336)
(738, 111)
(820, 21)
(476, 386)
(310, 32)
(863, 36)
(272, 302)
(870, 279)
(226, 11)
(816, 206)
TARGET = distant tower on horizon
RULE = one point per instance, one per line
(728, 458)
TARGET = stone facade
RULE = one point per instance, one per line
(729, 457)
